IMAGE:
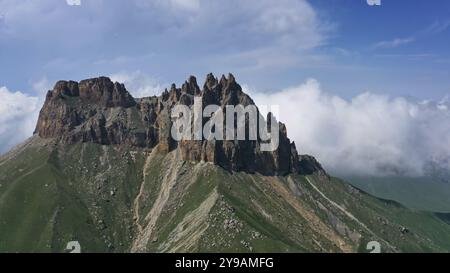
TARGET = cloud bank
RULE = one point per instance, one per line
(18, 116)
(368, 135)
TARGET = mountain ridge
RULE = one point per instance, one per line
(100, 111)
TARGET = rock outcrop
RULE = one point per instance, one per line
(100, 111)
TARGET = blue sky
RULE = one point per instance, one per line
(363, 88)
(398, 48)
(404, 45)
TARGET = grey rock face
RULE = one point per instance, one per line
(100, 111)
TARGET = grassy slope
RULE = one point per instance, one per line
(421, 193)
(50, 195)
(426, 232)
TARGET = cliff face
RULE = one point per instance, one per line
(100, 111)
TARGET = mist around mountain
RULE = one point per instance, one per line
(426, 193)
(102, 170)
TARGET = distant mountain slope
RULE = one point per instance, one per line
(422, 193)
(114, 199)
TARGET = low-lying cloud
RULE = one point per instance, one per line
(369, 134)
(18, 116)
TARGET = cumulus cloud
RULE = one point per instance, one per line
(204, 33)
(18, 116)
(253, 20)
(369, 134)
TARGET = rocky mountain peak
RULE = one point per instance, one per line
(210, 82)
(100, 91)
(100, 111)
(191, 87)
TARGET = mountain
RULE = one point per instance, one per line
(102, 169)
(100, 111)
(430, 191)
(427, 193)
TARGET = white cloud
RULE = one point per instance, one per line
(42, 86)
(249, 34)
(204, 30)
(192, 5)
(435, 28)
(18, 116)
(73, 2)
(138, 84)
(397, 42)
(369, 134)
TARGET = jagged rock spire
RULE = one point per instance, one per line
(191, 87)
(210, 82)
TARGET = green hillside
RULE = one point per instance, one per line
(114, 199)
(422, 193)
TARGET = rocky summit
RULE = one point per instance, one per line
(100, 111)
